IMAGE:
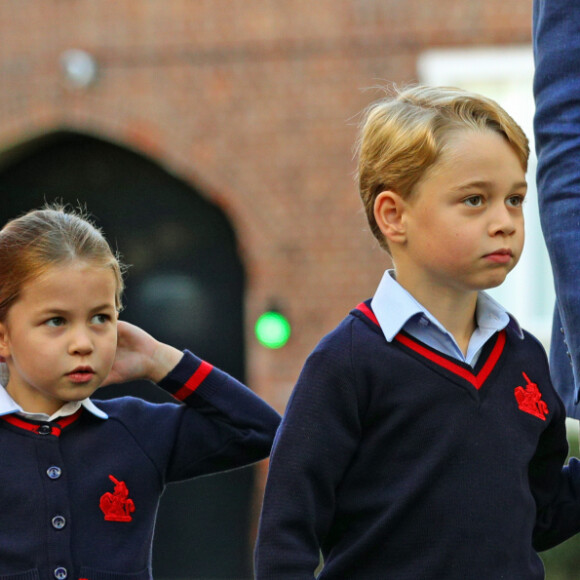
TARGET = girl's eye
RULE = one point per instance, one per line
(55, 322)
(473, 201)
(515, 200)
(100, 319)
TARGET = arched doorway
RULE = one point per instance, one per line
(185, 286)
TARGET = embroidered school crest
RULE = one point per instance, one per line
(529, 399)
(117, 506)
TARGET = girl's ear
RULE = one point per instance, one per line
(389, 211)
(4, 344)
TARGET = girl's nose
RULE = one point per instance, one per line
(81, 342)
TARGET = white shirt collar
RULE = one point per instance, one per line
(8, 405)
(394, 307)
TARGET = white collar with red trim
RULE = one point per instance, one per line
(8, 406)
(397, 310)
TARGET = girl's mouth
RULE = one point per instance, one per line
(81, 375)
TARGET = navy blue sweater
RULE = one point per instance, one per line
(397, 461)
(79, 496)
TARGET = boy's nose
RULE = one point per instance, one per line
(502, 223)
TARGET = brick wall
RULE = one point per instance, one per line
(254, 102)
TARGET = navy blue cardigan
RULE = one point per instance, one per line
(397, 461)
(79, 496)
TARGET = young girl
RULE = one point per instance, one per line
(80, 481)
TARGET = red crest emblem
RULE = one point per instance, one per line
(117, 506)
(529, 399)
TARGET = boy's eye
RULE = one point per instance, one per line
(515, 200)
(473, 201)
(55, 322)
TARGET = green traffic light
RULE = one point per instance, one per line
(272, 329)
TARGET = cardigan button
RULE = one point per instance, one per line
(58, 522)
(45, 430)
(60, 573)
(54, 472)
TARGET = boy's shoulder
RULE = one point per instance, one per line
(356, 340)
(523, 341)
(359, 325)
(531, 339)
(342, 367)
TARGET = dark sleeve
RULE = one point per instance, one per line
(221, 425)
(314, 445)
(556, 488)
(556, 41)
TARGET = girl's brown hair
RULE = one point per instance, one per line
(40, 239)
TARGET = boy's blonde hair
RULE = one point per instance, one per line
(52, 236)
(403, 135)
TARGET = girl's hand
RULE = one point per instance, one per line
(140, 356)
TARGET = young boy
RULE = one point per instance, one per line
(424, 439)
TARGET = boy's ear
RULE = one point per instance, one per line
(389, 211)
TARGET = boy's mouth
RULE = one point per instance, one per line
(500, 256)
